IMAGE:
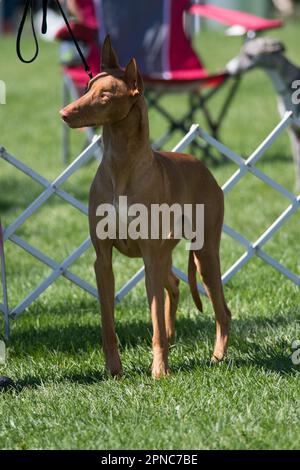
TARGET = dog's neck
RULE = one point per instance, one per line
(283, 74)
(127, 150)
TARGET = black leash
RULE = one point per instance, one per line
(29, 7)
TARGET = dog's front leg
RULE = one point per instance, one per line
(106, 288)
(155, 278)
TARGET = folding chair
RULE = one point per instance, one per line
(74, 76)
(153, 32)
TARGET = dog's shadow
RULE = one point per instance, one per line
(75, 338)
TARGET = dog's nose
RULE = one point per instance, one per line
(63, 114)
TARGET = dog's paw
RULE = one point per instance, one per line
(114, 368)
(160, 370)
(217, 357)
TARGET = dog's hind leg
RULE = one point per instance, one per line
(171, 304)
(208, 265)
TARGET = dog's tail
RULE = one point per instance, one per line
(193, 281)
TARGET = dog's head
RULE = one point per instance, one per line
(109, 96)
(260, 52)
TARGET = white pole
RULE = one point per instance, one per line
(197, 20)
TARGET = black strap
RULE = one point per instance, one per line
(44, 24)
(29, 6)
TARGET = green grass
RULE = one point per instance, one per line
(64, 399)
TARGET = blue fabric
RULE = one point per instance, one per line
(9, 8)
(137, 30)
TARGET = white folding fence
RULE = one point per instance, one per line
(63, 268)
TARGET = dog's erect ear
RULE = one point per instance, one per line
(109, 59)
(134, 79)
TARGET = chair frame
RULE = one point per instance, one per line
(198, 101)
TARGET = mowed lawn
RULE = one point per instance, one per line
(63, 397)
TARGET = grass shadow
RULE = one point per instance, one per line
(73, 338)
(89, 377)
(18, 193)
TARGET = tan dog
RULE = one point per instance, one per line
(131, 168)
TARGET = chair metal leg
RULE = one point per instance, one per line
(231, 94)
(198, 102)
(183, 125)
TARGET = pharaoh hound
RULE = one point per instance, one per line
(114, 99)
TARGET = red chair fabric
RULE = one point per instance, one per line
(183, 63)
(87, 10)
(234, 17)
(87, 32)
(81, 32)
